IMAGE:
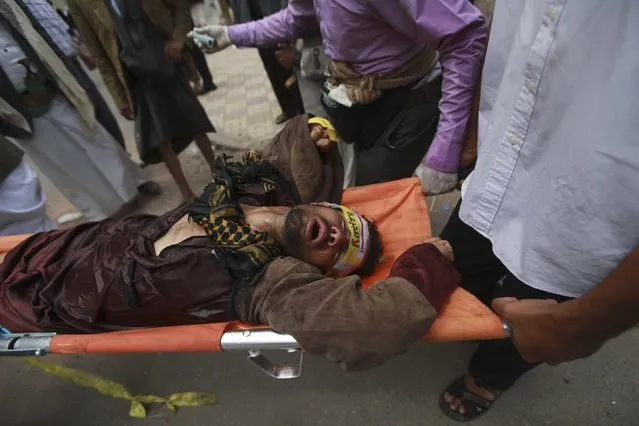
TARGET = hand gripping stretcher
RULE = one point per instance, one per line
(400, 211)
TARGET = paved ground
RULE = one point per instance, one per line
(602, 390)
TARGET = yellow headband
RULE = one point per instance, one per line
(358, 245)
(332, 133)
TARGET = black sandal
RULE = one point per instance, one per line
(474, 405)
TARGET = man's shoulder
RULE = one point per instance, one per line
(285, 265)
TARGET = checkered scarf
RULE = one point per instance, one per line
(242, 250)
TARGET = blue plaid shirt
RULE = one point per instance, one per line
(53, 24)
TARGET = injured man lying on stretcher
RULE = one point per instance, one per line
(264, 244)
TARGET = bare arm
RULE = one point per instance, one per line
(295, 21)
(545, 331)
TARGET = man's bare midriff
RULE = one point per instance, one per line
(182, 230)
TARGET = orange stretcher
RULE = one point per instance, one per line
(400, 211)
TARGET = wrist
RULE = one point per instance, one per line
(236, 35)
(579, 319)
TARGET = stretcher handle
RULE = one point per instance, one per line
(185, 338)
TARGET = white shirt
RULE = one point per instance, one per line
(556, 188)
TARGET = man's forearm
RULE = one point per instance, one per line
(611, 307)
(461, 70)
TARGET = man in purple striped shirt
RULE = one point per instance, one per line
(401, 83)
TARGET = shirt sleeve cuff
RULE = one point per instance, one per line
(443, 155)
(240, 34)
(428, 270)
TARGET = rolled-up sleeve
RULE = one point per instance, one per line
(340, 320)
(292, 22)
(458, 31)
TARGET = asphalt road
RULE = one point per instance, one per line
(601, 390)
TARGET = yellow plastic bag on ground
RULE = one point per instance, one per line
(116, 390)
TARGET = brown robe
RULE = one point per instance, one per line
(94, 22)
(76, 280)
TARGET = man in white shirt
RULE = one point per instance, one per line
(550, 213)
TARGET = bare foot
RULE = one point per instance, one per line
(443, 246)
(150, 188)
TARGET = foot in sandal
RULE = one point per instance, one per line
(465, 399)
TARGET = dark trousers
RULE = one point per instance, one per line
(202, 66)
(289, 98)
(391, 134)
(496, 363)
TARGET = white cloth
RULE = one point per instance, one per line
(22, 203)
(347, 151)
(311, 91)
(96, 176)
(556, 184)
(65, 81)
(116, 7)
(11, 55)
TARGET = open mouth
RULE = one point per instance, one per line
(316, 231)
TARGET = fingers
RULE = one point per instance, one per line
(200, 30)
(500, 304)
(323, 145)
(445, 249)
(317, 133)
(431, 240)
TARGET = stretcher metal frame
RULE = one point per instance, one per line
(253, 341)
(463, 317)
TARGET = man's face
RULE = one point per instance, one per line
(316, 234)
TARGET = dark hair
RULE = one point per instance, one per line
(375, 251)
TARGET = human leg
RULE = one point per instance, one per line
(496, 364)
(172, 162)
(22, 203)
(203, 69)
(204, 144)
(96, 176)
(392, 134)
(474, 258)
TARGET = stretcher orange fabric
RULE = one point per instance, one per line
(400, 211)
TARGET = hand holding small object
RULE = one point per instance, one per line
(211, 38)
